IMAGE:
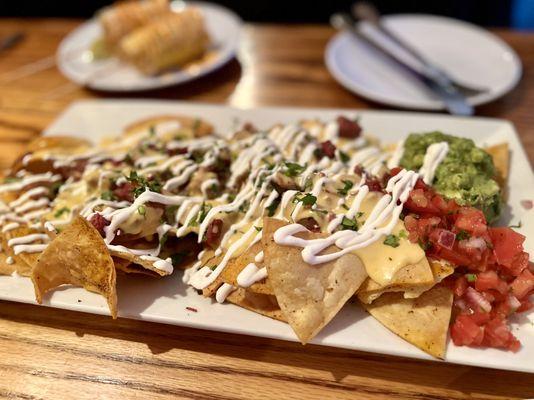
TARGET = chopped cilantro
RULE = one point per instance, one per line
(309, 183)
(349, 224)
(141, 184)
(308, 199)
(462, 235)
(108, 195)
(347, 186)
(403, 234)
(54, 189)
(258, 228)
(244, 206)
(292, 169)
(391, 240)
(61, 211)
(141, 210)
(471, 277)
(346, 207)
(11, 179)
(201, 215)
(344, 157)
(271, 208)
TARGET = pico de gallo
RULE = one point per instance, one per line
(493, 278)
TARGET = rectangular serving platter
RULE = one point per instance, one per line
(167, 300)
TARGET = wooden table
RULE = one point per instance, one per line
(55, 354)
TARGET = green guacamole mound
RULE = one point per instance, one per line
(465, 175)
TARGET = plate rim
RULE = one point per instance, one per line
(433, 105)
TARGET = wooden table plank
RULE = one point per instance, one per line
(51, 353)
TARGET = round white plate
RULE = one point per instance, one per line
(471, 55)
(222, 25)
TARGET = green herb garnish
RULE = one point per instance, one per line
(11, 179)
(271, 208)
(391, 240)
(141, 210)
(349, 224)
(308, 199)
(258, 228)
(471, 277)
(344, 157)
(293, 169)
(518, 225)
(61, 211)
(462, 235)
(108, 195)
(347, 186)
(403, 234)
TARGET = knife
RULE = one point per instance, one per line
(10, 41)
(454, 101)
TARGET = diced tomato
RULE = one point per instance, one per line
(348, 128)
(452, 256)
(500, 276)
(490, 280)
(328, 149)
(506, 244)
(497, 334)
(526, 305)
(124, 191)
(420, 202)
(471, 220)
(480, 318)
(465, 332)
(523, 284)
(460, 286)
(519, 263)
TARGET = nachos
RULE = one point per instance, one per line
(290, 222)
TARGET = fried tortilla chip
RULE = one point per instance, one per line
(5, 267)
(423, 321)
(309, 295)
(77, 256)
(370, 290)
(236, 265)
(127, 267)
(500, 153)
(261, 303)
(24, 262)
(133, 259)
(197, 126)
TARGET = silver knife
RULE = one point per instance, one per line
(454, 101)
(10, 40)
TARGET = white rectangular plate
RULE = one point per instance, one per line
(165, 300)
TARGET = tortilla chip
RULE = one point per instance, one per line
(77, 256)
(236, 265)
(500, 154)
(261, 303)
(423, 322)
(5, 268)
(24, 262)
(198, 126)
(133, 259)
(370, 290)
(127, 267)
(309, 295)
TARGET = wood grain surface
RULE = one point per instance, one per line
(55, 354)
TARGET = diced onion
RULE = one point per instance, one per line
(477, 299)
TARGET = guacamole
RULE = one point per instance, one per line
(465, 175)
